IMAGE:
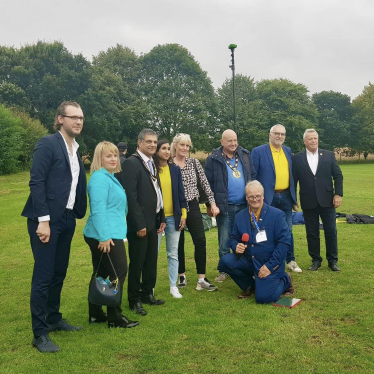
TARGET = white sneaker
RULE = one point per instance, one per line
(175, 292)
(221, 277)
(206, 285)
(293, 266)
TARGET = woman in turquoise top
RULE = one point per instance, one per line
(106, 228)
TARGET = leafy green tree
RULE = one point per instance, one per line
(335, 116)
(282, 101)
(12, 95)
(113, 105)
(362, 130)
(180, 95)
(249, 133)
(48, 74)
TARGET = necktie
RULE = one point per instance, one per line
(151, 167)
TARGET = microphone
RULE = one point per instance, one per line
(245, 240)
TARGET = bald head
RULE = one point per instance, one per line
(229, 142)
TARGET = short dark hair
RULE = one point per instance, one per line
(61, 111)
(122, 146)
(145, 132)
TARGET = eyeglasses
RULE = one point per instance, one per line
(279, 133)
(74, 118)
(254, 197)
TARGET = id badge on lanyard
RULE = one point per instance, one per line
(261, 234)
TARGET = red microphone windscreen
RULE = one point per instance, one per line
(245, 238)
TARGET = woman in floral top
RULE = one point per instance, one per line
(180, 148)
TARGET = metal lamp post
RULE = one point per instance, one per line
(232, 66)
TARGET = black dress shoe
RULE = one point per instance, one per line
(315, 266)
(62, 325)
(333, 266)
(44, 344)
(98, 319)
(151, 300)
(138, 309)
(124, 323)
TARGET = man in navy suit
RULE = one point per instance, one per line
(57, 197)
(316, 169)
(273, 164)
(263, 256)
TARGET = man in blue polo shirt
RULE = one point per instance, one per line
(228, 169)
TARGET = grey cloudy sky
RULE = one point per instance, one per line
(324, 44)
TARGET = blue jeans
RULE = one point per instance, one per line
(225, 223)
(283, 201)
(172, 240)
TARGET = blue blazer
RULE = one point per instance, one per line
(179, 198)
(108, 207)
(264, 165)
(271, 252)
(50, 181)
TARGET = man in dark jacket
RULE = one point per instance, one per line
(145, 220)
(321, 191)
(57, 198)
(122, 148)
(228, 169)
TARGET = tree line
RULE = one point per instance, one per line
(166, 90)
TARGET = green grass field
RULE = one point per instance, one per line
(331, 331)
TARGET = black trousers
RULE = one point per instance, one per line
(119, 259)
(143, 253)
(328, 217)
(51, 262)
(194, 223)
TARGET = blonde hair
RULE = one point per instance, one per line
(100, 148)
(180, 138)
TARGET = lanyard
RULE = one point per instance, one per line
(255, 222)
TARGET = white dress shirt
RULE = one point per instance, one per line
(312, 160)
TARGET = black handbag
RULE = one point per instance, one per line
(102, 293)
(203, 199)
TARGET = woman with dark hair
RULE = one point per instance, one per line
(175, 209)
(192, 174)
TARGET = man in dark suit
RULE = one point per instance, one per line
(57, 197)
(316, 169)
(122, 148)
(273, 164)
(145, 220)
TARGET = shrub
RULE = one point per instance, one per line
(10, 141)
(31, 131)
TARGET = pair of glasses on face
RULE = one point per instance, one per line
(279, 133)
(254, 197)
(74, 118)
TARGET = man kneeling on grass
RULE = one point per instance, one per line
(260, 240)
